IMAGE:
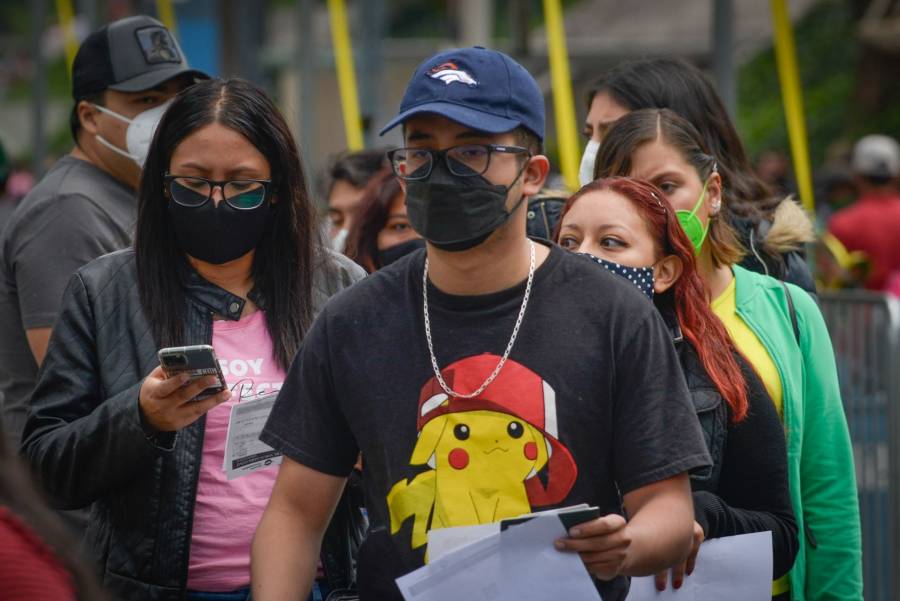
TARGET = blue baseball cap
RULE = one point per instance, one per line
(477, 87)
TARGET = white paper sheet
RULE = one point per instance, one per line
(519, 564)
(736, 568)
(444, 540)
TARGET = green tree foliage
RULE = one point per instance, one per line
(827, 54)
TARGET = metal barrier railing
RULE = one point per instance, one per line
(865, 332)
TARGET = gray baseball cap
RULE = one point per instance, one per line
(128, 55)
(877, 156)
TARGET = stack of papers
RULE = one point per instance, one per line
(517, 564)
(445, 540)
(515, 560)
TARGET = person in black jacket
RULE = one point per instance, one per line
(227, 254)
(626, 226)
(771, 228)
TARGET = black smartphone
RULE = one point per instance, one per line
(199, 361)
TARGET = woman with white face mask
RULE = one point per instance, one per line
(778, 328)
(774, 243)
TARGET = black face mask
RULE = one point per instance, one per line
(219, 234)
(457, 212)
(398, 251)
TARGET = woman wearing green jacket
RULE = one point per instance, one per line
(779, 329)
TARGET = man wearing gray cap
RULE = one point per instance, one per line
(122, 79)
(872, 223)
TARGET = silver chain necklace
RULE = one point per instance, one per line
(512, 339)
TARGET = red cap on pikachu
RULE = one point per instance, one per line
(516, 391)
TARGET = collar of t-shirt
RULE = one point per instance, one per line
(455, 302)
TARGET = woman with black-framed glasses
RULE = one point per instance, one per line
(226, 254)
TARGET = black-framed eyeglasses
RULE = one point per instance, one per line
(465, 160)
(194, 192)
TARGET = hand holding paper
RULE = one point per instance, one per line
(681, 570)
(602, 544)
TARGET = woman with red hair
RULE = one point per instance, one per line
(627, 226)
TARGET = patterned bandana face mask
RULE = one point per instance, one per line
(642, 277)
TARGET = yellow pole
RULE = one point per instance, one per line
(167, 15)
(564, 105)
(67, 24)
(343, 57)
(792, 97)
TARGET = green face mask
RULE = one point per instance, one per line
(691, 224)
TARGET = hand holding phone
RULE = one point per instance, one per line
(172, 402)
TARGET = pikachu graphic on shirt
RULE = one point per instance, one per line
(484, 453)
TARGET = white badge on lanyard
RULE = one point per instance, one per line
(245, 453)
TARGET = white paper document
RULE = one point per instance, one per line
(244, 452)
(445, 540)
(736, 568)
(518, 564)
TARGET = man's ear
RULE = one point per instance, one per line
(87, 117)
(666, 273)
(535, 174)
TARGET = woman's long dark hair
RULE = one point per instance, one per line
(288, 252)
(677, 85)
(374, 209)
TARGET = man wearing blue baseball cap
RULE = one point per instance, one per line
(485, 377)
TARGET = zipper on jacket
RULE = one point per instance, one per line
(546, 221)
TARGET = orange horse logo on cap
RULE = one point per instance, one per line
(484, 453)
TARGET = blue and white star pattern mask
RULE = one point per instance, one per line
(642, 277)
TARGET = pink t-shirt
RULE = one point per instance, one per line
(226, 513)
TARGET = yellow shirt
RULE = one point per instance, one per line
(749, 344)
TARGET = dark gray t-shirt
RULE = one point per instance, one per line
(592, 403)
(75, 214)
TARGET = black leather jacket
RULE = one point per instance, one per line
(84, 436)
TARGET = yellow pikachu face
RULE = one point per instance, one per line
(482, 444)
